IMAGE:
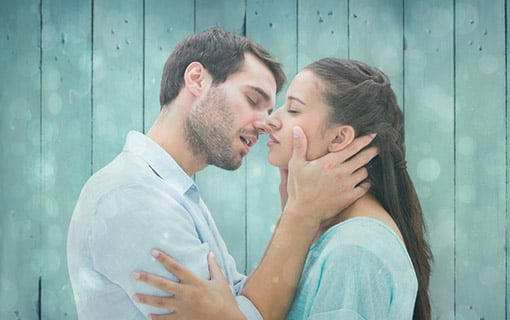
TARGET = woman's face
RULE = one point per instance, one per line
(303, 107)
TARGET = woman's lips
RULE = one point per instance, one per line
(272, 141)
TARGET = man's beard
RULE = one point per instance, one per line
(209, 129)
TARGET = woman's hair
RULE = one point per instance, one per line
(220, 52)
(361, 96)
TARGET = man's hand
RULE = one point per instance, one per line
(322, 188)
(193, 297)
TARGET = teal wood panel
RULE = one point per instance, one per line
(20, 165)
(376, 37)
(507, 189)
(429, 120)
(117, 76)
(227, 14)
(480, 159)
(322, 30)
(273, 25)
(66, 140)
(452, 82)
(224, 192)
(165, 27)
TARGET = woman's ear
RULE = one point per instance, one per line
(345, 135)
(194, 76)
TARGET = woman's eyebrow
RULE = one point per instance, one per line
(292, 98)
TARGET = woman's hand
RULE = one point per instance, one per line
(322, 188)
(192, 297)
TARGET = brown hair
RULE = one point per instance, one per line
(361, 96)
(220, 52)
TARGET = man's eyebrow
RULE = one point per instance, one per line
(292, 98)
(260, 91)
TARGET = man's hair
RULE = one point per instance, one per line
(221, 52)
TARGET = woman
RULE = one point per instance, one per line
(371, 261)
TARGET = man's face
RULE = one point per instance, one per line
(224, 124)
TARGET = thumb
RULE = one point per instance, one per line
(214, 268)
(299, 144)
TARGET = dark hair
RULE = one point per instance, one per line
(361, 96)
(220, 52)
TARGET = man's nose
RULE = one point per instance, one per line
(262, 126)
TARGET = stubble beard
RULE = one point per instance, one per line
(209, 129)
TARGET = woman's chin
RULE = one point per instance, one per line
(279, 163)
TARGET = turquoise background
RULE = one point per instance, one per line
(76, 75)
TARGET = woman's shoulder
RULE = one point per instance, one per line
(363, 236)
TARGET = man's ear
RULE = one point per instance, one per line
(194, 76)
(344, 136)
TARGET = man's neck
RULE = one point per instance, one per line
(168, 132)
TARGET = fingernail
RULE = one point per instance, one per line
(136, 298)
(211, 255)
(135, 275)
(155, 253)
(373, 135)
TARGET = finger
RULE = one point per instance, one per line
(156, 301)
(181, 272)
(361, 159)
(164, 284)
(299, 144)
(214, 268)
(351, 150)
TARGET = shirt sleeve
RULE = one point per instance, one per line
(354, 284)
(128, 223)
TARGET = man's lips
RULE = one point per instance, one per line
(249, 140)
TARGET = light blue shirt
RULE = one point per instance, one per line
(358, 270)
(141, 200)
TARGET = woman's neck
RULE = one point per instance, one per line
(366, 206)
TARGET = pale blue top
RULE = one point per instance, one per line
(358, 270)
(141, 200)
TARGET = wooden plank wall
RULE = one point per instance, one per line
(77, 75)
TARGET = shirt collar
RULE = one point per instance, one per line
(160, 162)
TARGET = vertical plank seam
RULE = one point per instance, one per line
(245, 17)
(143, 66)
(348, 29)
(39, 291)
(246, 218)
(404, 47)
(454, 158)
(194, 15)
(91, 87)
(296, 65)
(245, 22)
(507, 298)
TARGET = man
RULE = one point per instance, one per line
(217, 89)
